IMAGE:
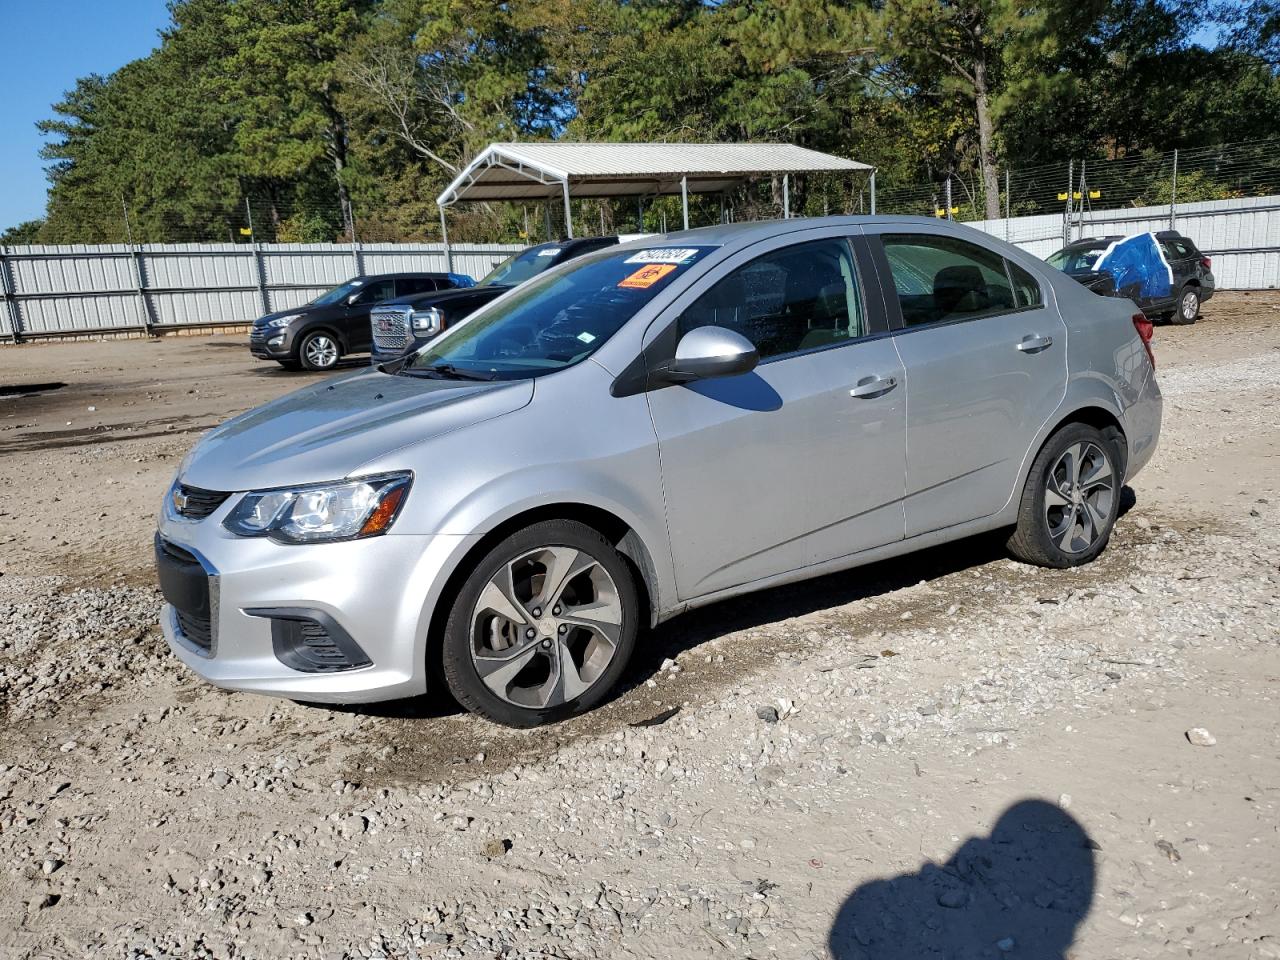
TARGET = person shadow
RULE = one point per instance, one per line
(1020, 892)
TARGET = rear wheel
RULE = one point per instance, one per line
(1188, 306)
(1071, 499)
(319, 350)
(543, 627)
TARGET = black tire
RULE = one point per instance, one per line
(319, 351)
(1188, 303)
(460, 669)
(290, 364)
(1032, 540)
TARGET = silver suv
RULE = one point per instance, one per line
(643, 430)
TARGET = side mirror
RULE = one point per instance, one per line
(707, 352)
(353, 299)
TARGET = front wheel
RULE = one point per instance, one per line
(319, 351)
(1070, 501)
(1188, 306)
(543, 627)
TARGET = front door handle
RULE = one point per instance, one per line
(1034, 343)
(873, 387)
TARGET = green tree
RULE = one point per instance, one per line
(23, 233)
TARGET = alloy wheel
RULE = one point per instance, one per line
(1079, 496)
(546, 627)
(1190, 305)
(321, 351)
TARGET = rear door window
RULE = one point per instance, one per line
(939, 279)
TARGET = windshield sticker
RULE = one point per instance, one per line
(662, 255)
(646, 277)
(587, 337)
(549, 252)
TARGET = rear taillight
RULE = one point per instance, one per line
(1206, 263)
(1145, 330)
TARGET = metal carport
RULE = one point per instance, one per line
(543, 171)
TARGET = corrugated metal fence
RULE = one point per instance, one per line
(69, 290)
(114, 288)
(1242, 236)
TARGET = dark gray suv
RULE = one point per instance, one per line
(1192, 280)
(318, 334)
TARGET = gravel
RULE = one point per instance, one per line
(861, 742)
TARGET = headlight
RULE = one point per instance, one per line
(283, 321)
(344, 510)
(430, 320)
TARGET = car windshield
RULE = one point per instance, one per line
(1077, 259)
(338, 293)
(520, 267)
(555, 321)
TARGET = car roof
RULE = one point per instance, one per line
(433, 274)
(724, 234)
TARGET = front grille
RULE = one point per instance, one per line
(199, 630)
(190, 589)
(257, 336)
(391, 329)
(195, 503)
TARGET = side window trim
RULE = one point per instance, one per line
(880, 258)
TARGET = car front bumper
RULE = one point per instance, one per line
(378, 593)
(260, 343)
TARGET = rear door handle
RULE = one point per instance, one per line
(1034, 343)
(873, 387)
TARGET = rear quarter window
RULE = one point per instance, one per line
(1026, 291)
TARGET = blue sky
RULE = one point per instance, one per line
(47, 45)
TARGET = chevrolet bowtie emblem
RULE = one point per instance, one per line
(179, 500)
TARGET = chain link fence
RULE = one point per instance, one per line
(1079, 191)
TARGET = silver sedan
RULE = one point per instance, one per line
(647, 429)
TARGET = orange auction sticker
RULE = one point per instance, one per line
(646, 276)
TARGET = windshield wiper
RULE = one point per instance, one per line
(448, 371)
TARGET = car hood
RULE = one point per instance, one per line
(296, 311)
(327, 431)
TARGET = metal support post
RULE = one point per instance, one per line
(258, 272)
(684, 199)
(1066, 210)
(356, 257)
(444, 236)
(1006, 204)
(9, 290)
(1084, 193)
(873, 193)
(135, 252)
(786, 196)
(1173, 196)
(568, 213)
(948, 196)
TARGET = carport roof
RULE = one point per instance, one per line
(522, 171)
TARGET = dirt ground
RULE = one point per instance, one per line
(950, 754)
